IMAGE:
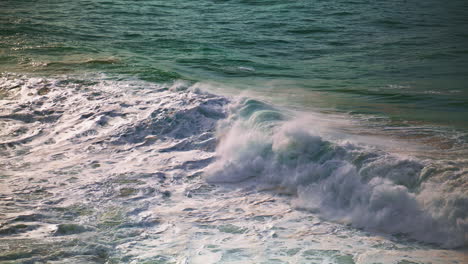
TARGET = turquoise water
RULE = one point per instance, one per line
(404, 59)
(241, 131)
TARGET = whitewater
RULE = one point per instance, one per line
(98, 170)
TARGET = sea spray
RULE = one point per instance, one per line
(343, 180)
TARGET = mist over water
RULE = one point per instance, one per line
(233, 131)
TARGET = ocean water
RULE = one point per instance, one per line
(233, 131)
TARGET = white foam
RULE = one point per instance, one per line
(121, 161)
(345, 181)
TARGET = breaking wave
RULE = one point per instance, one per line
(68, 126)
(343, 180)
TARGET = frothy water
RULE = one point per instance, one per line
(341, 179)
(98, 170)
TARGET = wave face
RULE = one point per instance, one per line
(343, 180)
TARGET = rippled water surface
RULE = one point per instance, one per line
(233, 131)
(405, 59)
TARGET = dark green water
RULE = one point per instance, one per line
(406, 60)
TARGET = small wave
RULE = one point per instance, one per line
(310, 30)
(87, 61)
(392, 24)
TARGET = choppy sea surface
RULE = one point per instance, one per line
(233, 131)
